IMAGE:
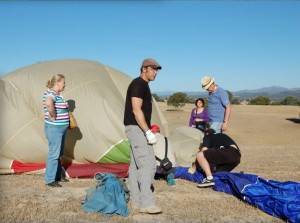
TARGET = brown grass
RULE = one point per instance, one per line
(270, 148)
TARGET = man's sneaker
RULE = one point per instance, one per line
(151, 210)
(206, 183)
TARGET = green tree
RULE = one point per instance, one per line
(275, 103)
(178, 99)
(260, 100)
(230, 96)
(235, 101)
(157, 98)
(190, 100)
(290, 100)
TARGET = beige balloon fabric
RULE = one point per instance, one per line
(160, 149)
(185, 144)
(97, 93)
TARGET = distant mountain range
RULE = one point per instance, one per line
(275, 93)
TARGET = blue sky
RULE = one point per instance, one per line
(243, 44)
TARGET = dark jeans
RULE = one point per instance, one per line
(225, 159)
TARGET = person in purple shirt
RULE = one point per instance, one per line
(199, 115)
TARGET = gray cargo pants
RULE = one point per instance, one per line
(142, 167)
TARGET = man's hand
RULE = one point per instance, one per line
(224, 126)
(226, 118)
(151, 138)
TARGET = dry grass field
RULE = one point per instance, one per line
(270, 146)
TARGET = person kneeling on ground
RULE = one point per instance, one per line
(218, 152)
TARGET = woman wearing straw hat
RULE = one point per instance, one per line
(218, 105)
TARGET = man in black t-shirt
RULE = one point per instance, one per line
(218, 152)
(138, 88)
(137, 121)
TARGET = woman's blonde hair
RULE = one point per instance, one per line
(55, 78)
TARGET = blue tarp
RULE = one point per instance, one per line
(279, 199)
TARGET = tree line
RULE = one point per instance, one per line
(179, 99)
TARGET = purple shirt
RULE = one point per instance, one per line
(202, 115)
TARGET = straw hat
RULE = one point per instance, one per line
(206, 81)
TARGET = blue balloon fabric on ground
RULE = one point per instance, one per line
(279, 199)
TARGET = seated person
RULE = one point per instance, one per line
(218, 152)
(199, 115)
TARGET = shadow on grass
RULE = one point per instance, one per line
(295, 120)
(174, 109)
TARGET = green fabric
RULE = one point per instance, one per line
(120, 153)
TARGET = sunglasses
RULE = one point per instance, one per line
(153, 67)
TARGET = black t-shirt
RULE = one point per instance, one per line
(138, 88)
(218, 141)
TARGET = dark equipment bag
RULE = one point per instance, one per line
(165, 163)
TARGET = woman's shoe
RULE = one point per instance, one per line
(54, 184)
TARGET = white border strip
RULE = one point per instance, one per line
(110, 148)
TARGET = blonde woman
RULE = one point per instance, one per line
(56, 124)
